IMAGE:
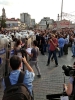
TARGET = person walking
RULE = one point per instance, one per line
(34, 54)
(52, 50)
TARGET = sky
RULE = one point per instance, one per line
(37, 8)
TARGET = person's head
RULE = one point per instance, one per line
(34, 43)
(12, 37)
(52, 36)
(65, 36)
(15, 62)
(19, 42)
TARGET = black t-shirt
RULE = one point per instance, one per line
(42, 40)
(38, 38)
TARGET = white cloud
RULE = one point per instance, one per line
(6, 2)
(36, 8)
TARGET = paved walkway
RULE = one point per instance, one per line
(52, 77)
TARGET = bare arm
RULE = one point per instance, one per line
(68, 88)
(27, 65)
(55, 44)
(72, 38)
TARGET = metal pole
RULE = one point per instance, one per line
(58, 17)
(61, 9)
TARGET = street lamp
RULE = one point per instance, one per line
(61, 9)
(0, 21)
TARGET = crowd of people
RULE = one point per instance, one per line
(53, 42)
(58, 42)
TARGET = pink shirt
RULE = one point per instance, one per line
(52, 47)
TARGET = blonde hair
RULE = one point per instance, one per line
(52, 35)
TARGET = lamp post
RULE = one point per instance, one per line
(61, 8)
(0, 21)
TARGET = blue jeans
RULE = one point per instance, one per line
(45, 45)
(48, 47)
(73, 50)
(61, 51)
(54, 56)
(42, 48)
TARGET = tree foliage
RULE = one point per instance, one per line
(3, 24)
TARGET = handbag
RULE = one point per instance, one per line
(57, 49)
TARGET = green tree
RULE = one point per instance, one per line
(3, 24)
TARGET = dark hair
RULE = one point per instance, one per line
(12, 36)
(35, 42)
(18, 42)
(74, 63)
(15, 62)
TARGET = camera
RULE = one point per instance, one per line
(22, 50)
(68, 70)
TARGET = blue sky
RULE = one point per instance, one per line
(36, 8)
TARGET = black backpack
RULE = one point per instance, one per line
(18, 91)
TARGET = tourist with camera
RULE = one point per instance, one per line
(18, 50)
(52, 50)
(18, 83)
(70, 88)
(17, 47)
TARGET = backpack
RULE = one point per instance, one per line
(18, 91)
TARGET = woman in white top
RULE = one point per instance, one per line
(17, 48)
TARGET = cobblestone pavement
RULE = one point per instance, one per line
(52, 78)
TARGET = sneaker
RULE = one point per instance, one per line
(73, 55)
(42, 53)
(39, 76)
(59, 56)
(56, 65)
(52, 59)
